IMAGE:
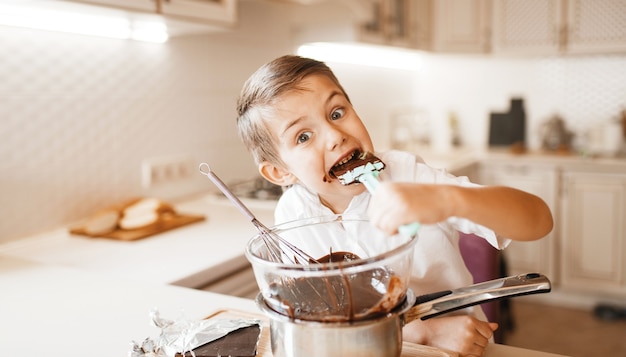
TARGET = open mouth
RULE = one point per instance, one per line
(346, 164)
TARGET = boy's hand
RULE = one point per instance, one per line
(394, 204)
(466, 335)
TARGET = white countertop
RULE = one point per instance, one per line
(183, 256)
(458, 158)
(51, 310)
(65, 295)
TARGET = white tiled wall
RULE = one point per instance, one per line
(585, 90)
(79, 114)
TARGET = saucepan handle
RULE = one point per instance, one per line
(434, 304)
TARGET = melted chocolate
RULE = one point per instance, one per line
(336, 257)
(338, 298)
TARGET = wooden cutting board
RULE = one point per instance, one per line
(164, 224)
(264, 347)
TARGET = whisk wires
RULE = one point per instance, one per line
(279, 249)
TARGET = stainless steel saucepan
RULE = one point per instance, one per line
(382, 336)
(355, 299)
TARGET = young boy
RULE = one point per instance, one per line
(298, 123)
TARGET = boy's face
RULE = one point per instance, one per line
(316, 128)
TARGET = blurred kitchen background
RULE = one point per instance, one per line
(81, 114)
(83, 118)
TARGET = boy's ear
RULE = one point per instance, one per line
(276, 175)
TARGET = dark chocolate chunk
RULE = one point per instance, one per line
(348, 172)
(239, 343)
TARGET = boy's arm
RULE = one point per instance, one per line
(509, 212)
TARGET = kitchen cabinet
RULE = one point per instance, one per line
(224, 11)
(439, 26)
(527, 26)
(391, 22)
(596, 26)
(585, 254)
(213, 11)
(461, 26)
(540, 180)
(540, 27)
(593, 232)
(547, 27)
(142, 5)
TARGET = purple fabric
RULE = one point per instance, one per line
(483, 261)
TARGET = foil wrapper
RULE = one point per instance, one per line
(182, 335)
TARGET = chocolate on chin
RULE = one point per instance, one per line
(349, 172)
(239, 343)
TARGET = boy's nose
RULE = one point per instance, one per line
(334, 136)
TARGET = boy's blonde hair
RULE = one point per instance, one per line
(261, 91)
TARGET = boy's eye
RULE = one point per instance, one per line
(336, 114)
(303, 137)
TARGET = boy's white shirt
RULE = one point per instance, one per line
(438, 264)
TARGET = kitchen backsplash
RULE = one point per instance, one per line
(78, 115)
(586, 91)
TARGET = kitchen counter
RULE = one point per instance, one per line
(75, 296)
(52, 310)
(459, 158)
(185, 256)
(567, 161)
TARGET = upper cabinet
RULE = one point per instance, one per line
(461, 26)
(222, 12)
(391, 22)
(527, 26)
(144, 5)
(596, 26)
(558, 26)
(540, 27)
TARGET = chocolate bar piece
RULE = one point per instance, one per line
(239, 343)
(349, 172)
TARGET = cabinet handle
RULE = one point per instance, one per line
(487, 40)
(563, 34)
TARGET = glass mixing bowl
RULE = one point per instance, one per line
(370, 279)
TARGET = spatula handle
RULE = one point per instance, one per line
(371, 183)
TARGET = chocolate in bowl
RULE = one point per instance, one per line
(335, 257)
(365, 275)
(337, 298)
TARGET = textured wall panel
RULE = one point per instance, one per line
(79, 114)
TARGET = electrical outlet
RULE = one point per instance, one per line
(166, 170)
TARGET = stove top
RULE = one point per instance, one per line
(257, 188)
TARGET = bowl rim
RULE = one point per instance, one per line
(314, 220)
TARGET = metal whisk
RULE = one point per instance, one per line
(276, 245)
